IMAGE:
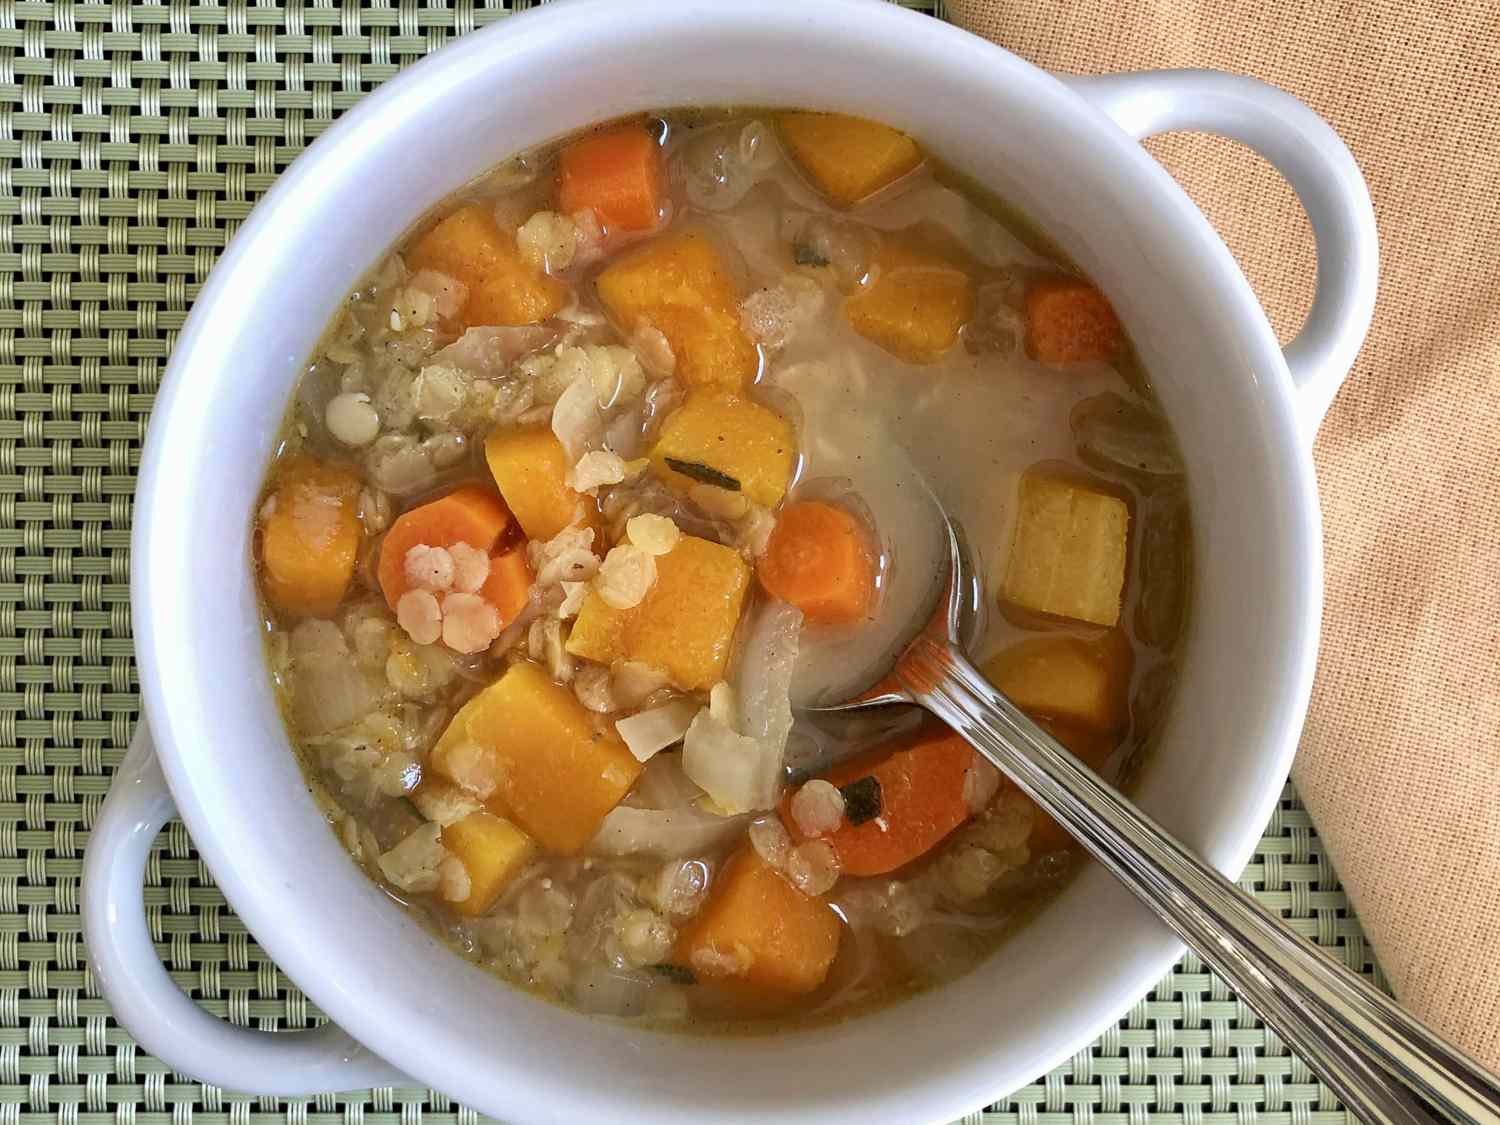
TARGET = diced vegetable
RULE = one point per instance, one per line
(617, 173)
(918, 302)
(1069, 321)
(470, 515)
(847, 158)
(309, 536)
(819, 560)
(740, 773)
(898, 804)
(758, 930)
(534, 754)
(724, 439)
(530, 468)
(685, 623)
(1069, 552)
(1093, 749)
(493, 851)
(680, 286)
(509, 584)
(650, 732)
(1084, 683)
(470, 247)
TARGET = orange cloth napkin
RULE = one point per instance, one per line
(1400, 760)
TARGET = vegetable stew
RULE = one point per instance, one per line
(619, 456)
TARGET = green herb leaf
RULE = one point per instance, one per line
(677, 974)
(861, 799)
(805, 255)
(707, 474)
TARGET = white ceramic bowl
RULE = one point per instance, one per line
(1066, 153)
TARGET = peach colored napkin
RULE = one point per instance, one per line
(1400, 761)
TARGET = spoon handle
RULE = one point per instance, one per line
(1376, 1057)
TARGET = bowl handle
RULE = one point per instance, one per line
(1302, 147)
(145, 1000)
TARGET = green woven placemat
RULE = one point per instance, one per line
(134, 138)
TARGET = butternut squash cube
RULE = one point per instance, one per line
(493, 851)
(1067, 679)
(470, 247)
(1068, 555)
(847, 158)
(1069, 321)
(727, 433)
(530, 468)
(679, 284)
(535, 755)
(917, 304)
(758, 931)
(309, 536)
(684, 625)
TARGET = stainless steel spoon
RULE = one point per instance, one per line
(1385, 1065)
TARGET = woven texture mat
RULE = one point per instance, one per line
(133, 140)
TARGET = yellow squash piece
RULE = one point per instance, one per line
(759, 932)
(847, 158)
(919, 300)
(1068, 679)
(309, 536)
(732, 435)
(530, 468)
(1069, 552)
(685, 624)
(538, 758)
(470, 247)
(679, 284)
(493, 851)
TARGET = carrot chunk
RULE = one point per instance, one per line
(818, 559)
(470, 247)
(509, 584)
(470, 515)
(309, 536)
(617, 173)
(898, 804)
(758, 931)
(1069, 321)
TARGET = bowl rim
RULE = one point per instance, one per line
(337, 989)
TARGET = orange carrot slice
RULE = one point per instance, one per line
(508, 585)
(617, 173)
(898, 804)
(818, 559)
(471, 515)
(1069, 321)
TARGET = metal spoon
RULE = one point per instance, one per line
(1379, 1060)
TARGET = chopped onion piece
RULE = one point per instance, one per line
(740, 774)
(648, 732)
(668, 833)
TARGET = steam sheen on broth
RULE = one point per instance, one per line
(624, 451)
